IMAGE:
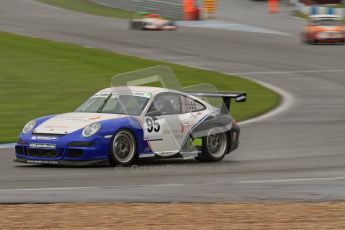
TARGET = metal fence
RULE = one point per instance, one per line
(168, 8)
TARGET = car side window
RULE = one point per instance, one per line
(166, 104)
(190, 105)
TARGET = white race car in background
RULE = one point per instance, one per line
(151, 21)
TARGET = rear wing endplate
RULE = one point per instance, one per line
(226, 96)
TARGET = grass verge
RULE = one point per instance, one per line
(88, 7)
(341, 5)
(40, 77)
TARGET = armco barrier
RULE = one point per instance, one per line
(168, 8)
(315, 9)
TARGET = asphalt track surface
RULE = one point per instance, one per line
(297, 154)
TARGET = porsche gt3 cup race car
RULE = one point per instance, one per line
(324, 29)
(151, 21)
(121, 124)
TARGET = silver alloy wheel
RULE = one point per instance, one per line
(124, 146)
(216, 144)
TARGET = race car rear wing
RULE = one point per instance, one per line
(226, 96)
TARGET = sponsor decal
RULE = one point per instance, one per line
(57, 126)
(76, 119)
(42, 162)
(147, 149)
(44, 138)
(195, 115)
(240, 98)
(42, 146)
(117, 94)
(94, 118)
(147, 95)
(153, 128)
(184, 127)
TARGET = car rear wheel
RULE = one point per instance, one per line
(214, 146)
(131, 25)
(136, 25)
(123, 148)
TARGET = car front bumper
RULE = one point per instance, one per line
(62, 150)
(331, 40)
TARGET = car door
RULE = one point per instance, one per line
(166, 125)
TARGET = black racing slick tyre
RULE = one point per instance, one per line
(131, 25)
(123, 148)
(214, 146)
(136, 25)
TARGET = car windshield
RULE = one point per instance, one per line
(114, 104)
(326, 23)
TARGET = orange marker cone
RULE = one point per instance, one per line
(189, 9)
(273, 6)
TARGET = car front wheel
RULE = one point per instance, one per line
(123, 148)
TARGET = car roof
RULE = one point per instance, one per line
(324, 16)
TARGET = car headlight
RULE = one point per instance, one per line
(91, 129)
(29, 126)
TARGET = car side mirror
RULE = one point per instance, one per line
(153, 113)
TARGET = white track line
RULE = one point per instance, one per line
(292, 180)
(169, 185)
(88, 187)
(287, 98)
(223, 25)
(6, 146)
(289, 72)
(286, 103)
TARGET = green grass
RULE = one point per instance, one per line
(341, 5)
(87, 7)
(40, 77)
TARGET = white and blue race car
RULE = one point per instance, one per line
(120, 125)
